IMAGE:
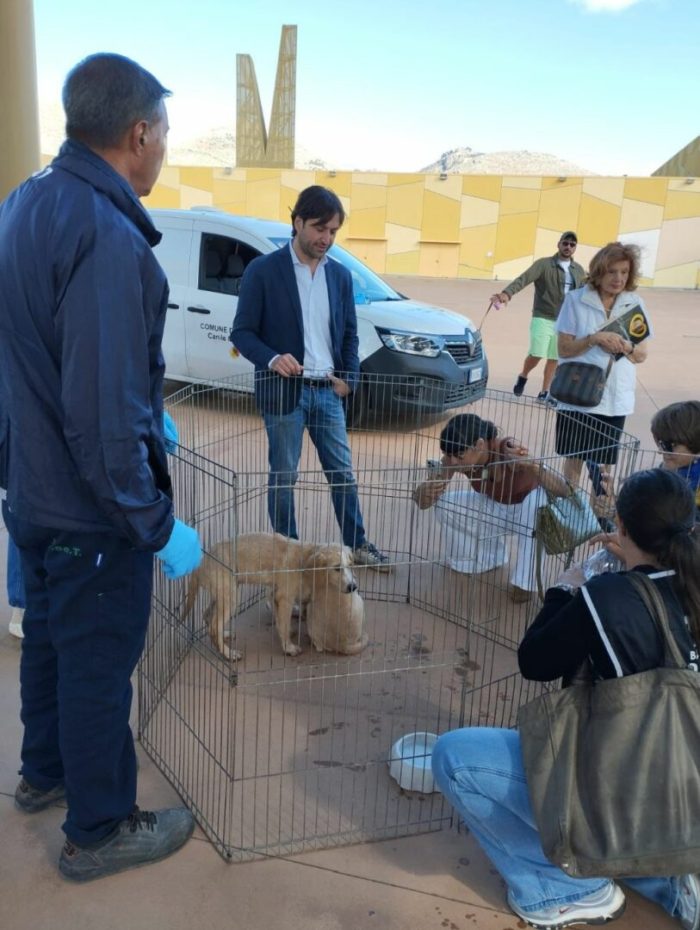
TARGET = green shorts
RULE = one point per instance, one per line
(543, 338)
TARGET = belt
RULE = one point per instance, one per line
(318, 382)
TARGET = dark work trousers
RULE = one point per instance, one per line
(88, 603)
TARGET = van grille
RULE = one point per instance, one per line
(464, 352)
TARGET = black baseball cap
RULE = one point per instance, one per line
(571, 236)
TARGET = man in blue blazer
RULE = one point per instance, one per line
(296, 322)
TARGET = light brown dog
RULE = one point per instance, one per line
(268, 559)
(335, 614)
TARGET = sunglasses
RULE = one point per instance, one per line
(666, 445)
(568, 242)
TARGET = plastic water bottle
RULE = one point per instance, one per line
(601, 561)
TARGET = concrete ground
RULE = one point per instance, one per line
(437, 880)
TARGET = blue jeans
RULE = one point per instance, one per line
(88, 602)
(320, 411)
(15, 578)
(480, 771)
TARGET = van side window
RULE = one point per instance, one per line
(222, 261)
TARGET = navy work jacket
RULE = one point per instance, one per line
(82, 310)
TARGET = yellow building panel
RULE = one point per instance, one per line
(678, 276)
(288, 197)
(519, 200)
(468, 271)
(367, 224)
(650, 190)
(439, 261)
(524, 182)
(678, 242)
(506, 271)
(404, 204)
(367, 196)
(478, 246)
(374, 178)
(450, 188)
(162, 198)
(684, 184)
(398, 179)
(516, 237)
(369, 251)
(681, 204)
(440, 217)
(546, 242)
(195, 197)
(297, 180)
(637, 215)
(229, 195)
(263, 197)
(557, 183)
(559, 208)
(477, 211)
(598, 221)
(341, 183)
(486, 186)
(262, 174)
(401, 239)
(403, 263)
(611, 190)
(169, 176)
(197, 177)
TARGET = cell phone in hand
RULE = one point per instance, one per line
(433, 465)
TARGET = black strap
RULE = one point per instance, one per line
(654, 603)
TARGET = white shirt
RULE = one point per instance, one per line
(582, 313)
(316, 316)
(568, 280)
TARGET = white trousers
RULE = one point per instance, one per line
(475, 530)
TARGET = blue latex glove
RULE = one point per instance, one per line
(183, 551)
(172, 437)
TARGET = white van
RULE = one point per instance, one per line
(434, 357)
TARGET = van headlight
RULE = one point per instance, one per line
(412, 343)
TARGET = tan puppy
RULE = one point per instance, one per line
(335, 612)
(268, 559)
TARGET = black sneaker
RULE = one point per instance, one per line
(368, 554)
(519, 386)
(542, 397)
(32, 800)
(144, 837)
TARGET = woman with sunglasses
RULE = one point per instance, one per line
(676, 431)
(506, 489)
(604, 623)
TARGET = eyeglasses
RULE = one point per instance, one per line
(568, 242)
(667, 445)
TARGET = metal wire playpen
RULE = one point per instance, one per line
(278, 754)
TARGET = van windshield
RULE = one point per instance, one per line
(367, 286)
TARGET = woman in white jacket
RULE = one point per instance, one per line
(592, 434)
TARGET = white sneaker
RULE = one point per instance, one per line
(16, 622)
(689, 902)
(596, 908)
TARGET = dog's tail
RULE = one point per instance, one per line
(193, 586)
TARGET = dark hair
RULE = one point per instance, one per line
(462, 432)
(104, 95)
(657, 508)
(610, 254)
(317, 203)
(678, 422)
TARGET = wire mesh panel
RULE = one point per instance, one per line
(279, 739)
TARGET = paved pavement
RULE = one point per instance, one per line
(439, 880)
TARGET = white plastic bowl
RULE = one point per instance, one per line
(410, 762)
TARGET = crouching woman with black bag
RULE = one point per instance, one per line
(612, 626)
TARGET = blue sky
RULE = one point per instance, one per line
(610, 84)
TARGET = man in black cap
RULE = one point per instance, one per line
(553, 278)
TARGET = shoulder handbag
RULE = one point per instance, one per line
(613, 767)
(565, 522)
(579, 383)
